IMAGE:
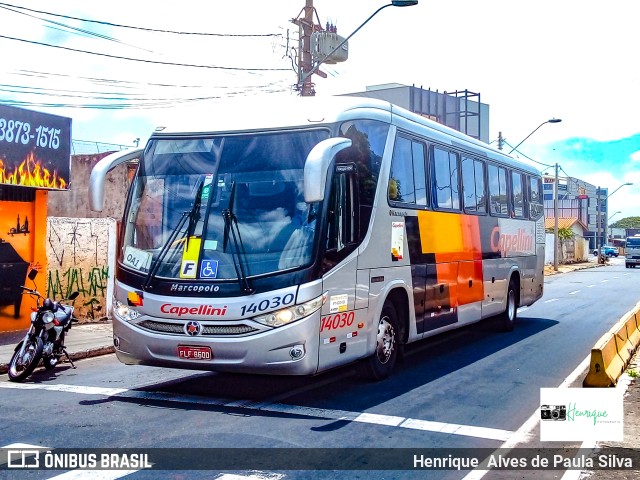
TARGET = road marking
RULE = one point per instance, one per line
(590, 286)
(66, 388)
(604, 281)
(552, 300)
(524, 432)
(574, 292)
(73, 474)
(93, 474)
(271, 407)
(253, 476)
(623, 383)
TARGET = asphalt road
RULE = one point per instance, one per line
(472, 388)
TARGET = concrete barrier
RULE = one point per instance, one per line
(611, 354)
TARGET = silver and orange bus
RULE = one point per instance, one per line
(298, 236)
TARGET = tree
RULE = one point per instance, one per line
(564, 234)
(628, 222)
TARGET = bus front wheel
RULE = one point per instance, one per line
(380, 365)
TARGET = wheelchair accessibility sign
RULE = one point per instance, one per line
(209, 269)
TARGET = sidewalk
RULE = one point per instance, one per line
(93, 339)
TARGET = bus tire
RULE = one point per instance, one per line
(380, 365)
(507, 319)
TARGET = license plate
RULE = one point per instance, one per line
(194, 353)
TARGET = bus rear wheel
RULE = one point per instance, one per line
(507, 319)
(380, 365)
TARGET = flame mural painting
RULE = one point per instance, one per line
(35, 156)
(35, 149)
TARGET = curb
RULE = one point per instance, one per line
(88, 353)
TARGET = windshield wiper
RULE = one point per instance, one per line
(193, 215)
(231, 225)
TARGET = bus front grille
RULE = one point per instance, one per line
(207, 330)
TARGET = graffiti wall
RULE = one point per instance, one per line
(80, 254)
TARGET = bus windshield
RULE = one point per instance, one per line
(633, 242)
(221, 207)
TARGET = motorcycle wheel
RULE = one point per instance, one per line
(21, 367)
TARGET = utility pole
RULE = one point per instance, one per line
(305, 63)
(555, 221)
(598, 245)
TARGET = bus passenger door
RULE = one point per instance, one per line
(339, 339)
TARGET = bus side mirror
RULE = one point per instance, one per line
(317, 165)
(99, 174)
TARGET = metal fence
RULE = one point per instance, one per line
(87, 147)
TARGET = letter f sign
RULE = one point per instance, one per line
(188, 269)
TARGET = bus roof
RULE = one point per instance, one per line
(273, 112)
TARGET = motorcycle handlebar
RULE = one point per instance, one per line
(30, 291)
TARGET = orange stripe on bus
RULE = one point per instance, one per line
(455, 241)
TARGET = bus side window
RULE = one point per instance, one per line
(445, 181)
(342, 226)
(498, 190)
(407, 180)
(517, 195)
(473, 186)
(536, 208)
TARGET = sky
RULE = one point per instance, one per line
(576, 60)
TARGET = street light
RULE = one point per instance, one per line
(551, 120)
(614, 214)
(314, 69)
(555, 194)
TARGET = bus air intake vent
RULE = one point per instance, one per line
(208, 330)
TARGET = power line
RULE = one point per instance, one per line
(74, 29)
(528, 158)
(143, 28)
(102, 80)
(157, 62)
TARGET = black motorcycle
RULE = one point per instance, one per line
(50, 322)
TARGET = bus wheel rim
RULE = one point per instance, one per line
(385, 340)
(511, 305)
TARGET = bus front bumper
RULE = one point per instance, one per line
(287, 350)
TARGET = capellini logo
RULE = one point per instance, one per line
(135, 299)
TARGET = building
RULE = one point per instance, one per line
(460, 110)
(34, 160)
(578, 200)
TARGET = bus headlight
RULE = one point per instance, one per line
(290, 314)
(124, 312)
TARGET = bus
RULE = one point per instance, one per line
(632, 252)
(295, 237)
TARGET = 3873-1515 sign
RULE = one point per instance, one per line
(35, 149)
